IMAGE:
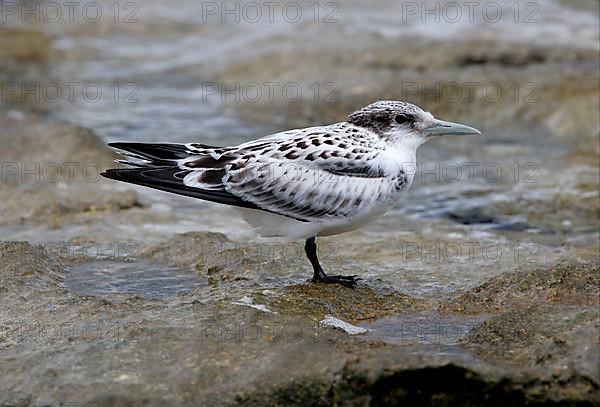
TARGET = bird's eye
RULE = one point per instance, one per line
(402, 119)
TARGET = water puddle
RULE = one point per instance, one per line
(145, 279)
(424, 332)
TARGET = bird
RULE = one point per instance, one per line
(302, 183)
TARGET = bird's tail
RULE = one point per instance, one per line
(152, 154)
(151, 164)
(160, 166)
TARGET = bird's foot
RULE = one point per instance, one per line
(346, 281)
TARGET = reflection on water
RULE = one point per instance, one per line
(426, 332)
(425, 328)
(145, 279)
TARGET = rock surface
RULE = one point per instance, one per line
(127, 345)
(24, 45)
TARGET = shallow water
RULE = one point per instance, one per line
(425, 332)
(427, 328)
(140, 278)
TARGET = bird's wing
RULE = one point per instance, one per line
(158, 166)
(308, 174)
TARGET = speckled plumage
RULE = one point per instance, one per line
(297, 183)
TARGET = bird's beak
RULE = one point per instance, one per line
(442, 128)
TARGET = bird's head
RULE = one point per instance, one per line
(404, 123)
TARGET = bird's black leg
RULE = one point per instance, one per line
(319, 275)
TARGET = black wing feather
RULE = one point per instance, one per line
(161, 172)
(155, 151)
(170, 179)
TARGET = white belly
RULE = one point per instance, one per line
(377, 200)
(267, 224)
(347, 225)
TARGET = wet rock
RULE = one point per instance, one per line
(352, 305)
(547, 325)
(121, 340)
(562, 212)
(235, 265)
(558, 344)
(388, 377)
(431, 55)
(30, 139)
(23, 45)
(188, 249)
(216, 341)
(23, 265)
(27, 277)
(471, 216)
(52, 170)
(47, 205)
(222, 260)
(572, 284)
(26, 57)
